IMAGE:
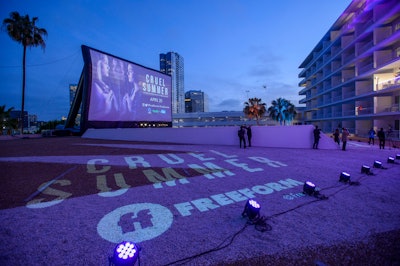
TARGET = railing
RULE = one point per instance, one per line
(388, 84)
(360, 28)
(349, 94)
(365, 47)
(393, 108)
(364, 111)
(366, 68)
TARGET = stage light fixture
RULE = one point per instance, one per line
(309, 188)
(251, 209)
(397, 156)
(344, 177)
(377, 164)
(125, 253)
(390, 160)
(365, 169)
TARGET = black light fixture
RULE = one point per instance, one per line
(251, 209)
(309, 188)
(365, 169)
(378, 164)
(397, 156)
(125, 253)
(344, 177)
(390, 160)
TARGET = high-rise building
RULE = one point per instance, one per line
(172, 64)
(194, 101)
(72, 92)
(352, 77)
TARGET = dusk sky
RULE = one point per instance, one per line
(231, 48)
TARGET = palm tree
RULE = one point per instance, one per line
(6, 122)
(24, 31)
(282, 110)
(254, 108)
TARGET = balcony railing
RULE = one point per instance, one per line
(393, 108)
(365, 47)
(365, 68)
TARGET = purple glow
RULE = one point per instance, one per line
(126, 251)
(254, 204)
(344, 177)
(377, 164)
(310, 184)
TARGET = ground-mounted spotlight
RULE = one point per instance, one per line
(251, 209)
(397, 156)
(309, 188)
(365, 169)
(378, 164)
(125, 253)
(390, 160)
(344, 177)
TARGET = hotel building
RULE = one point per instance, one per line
(352, 77)
(172, 64)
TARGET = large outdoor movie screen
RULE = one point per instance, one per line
(122, 91)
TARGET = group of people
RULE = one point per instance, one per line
(381, 136)
(336, 134)
(242, 132)
(345, 134)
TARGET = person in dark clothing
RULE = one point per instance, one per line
(336, 136)
(317, 136)
(345, 137)
(371, 136)
(241, 133)
(249, 135)
(381, 137)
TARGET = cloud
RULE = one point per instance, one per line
(264, 70)
(229, 104)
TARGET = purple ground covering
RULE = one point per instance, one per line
(69, 201)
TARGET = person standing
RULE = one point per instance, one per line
(345, 136)
(371, 136)
(381, 137)
(249, 135)
(317, 136)
(336, 136)
(241, 133)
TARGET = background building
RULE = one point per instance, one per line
(172, 64)
(352, 77)
(213, 119)
(225, 118)
(16, 114)
(194, 101)
(72, 93)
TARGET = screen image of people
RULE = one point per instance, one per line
(124, 91)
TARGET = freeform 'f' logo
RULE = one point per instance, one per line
(136, 222)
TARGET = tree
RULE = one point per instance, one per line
(24, 31)
(254, 108)
(51, 125)
(6, 122)
(282, 110)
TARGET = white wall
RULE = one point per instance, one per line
(263, 136)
